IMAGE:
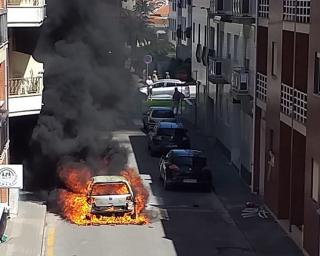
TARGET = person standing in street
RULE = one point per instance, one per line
(177, 96)
(154, 76)
(149, 83)
(167, 75)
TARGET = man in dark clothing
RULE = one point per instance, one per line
(177, 96)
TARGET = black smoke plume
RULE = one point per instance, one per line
(87, 92)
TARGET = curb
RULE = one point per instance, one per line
(43, 247)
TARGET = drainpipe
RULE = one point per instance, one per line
(254, 108)
(292, 111)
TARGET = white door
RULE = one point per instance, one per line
(262, 154)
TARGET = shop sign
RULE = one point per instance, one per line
(11, 176)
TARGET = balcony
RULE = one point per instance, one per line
(220, 10)
(240, 82)
(26, 13)
(25, 84)
(241, 12)
(25, 96)
(261, 89)
(218, 68)
(294, 103)
(303, 9)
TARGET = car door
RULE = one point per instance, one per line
(158, 89)
(170, 88)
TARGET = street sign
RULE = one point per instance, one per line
(147, 59)
(11, 176)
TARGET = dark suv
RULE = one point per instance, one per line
(185, 166)
(166, 136)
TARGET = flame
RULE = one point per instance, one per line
(73, 200)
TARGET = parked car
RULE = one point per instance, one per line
(185, 166)
(166, 136)
(111, 195)
(164, 88)
(157, 114)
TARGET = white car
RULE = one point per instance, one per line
(164, 88)
(111, 195)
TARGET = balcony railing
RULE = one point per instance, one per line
(296, 100)
(25, 86)
(263, 11)
(26, 13)
(299, 13)
(261, 90)
(240, 7)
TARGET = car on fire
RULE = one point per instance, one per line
(157, 114)
(111, 195)
(185, 167)
(166, 136)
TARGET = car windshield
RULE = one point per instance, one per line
(195, 162)
(102, 189)
(162, 113)
(171, 132)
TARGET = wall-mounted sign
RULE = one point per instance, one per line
(11, 176)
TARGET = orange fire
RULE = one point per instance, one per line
(73, 200)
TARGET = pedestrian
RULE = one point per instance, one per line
(177, 96)
(154, 76)
(167, 75)
(149, 83)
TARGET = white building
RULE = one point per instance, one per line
(25, 72)
(224, 64)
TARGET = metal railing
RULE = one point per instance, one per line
(26, 2)
(261, 90)
(303, 10)
(240, 7)
(296, 99)
(25, 86)
(263, 11)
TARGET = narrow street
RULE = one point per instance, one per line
(181, 222)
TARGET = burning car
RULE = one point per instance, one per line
(111, 195)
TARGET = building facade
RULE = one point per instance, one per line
(180, 17)
(287, 156)
(4, 128)
(224, 63)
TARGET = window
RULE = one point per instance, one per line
(228, 46)
(183, 27)
(317, 73)
(158, 85)
(171, 85)
(315, 181)
(174, 5)
(212, 38)
(235, 47)
(274, 61)
(199, 32)
(193, 32)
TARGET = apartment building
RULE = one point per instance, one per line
(4, 129)
(287, 155)
(180, 16)
(25, 72)
(224, 63)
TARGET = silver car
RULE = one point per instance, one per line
(158, 114)
(111, 195)
(164, 88)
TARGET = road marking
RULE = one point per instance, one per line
(50, 240)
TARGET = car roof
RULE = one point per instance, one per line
(108, 179)
(177, 81)
(187, 152)
(170, 125)
(160, 108)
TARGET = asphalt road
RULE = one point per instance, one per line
(183, 222)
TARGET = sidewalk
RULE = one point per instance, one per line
(26, 231)
(265, 236)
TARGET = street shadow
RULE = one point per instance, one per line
(189, 221)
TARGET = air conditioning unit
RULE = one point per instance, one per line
(240, 82)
